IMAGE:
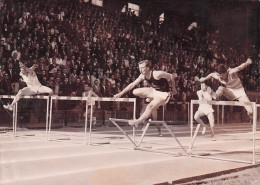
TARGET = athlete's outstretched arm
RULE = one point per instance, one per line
(211, 75)
(29, 70)
(130, 86)
(240, 67)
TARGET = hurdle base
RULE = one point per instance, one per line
(160, 151)
(137, 146)
(100, 143)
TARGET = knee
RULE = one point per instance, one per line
(51, 92)
(20, 92)
(196, 117)
(250, 112)
(220, 89)
(136, 92)
(151, 107)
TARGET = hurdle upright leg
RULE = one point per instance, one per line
(173, 135)
(47, 117)
(254, 130)
(223, 108)
(134, 117)
(14, 120)
(90, 126)
(50, 120)
(86, 122)
(143, 134)
(16, 115)
(124, 132)
(191, 119)
(194, 137)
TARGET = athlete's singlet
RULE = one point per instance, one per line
(205, 108)
(31, 81)
(234, 87)
(159, 85)
(233, 81)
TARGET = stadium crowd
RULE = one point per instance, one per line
(76, 44)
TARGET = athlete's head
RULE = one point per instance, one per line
(86, 87)
(203, 86)
(222, 70)
(144, 66)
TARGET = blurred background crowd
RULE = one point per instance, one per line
(77, 45)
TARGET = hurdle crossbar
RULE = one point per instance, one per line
(138, 145)
(231, 103)
(92, 100)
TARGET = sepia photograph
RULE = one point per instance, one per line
(129, 92)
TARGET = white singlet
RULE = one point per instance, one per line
(31, 81)
(234, 85)
(203, 107)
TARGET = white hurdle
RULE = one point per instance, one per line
(35, 97)
(65, 98)
(13, 116)
(15, 111)
(93, 100)
(231, 103)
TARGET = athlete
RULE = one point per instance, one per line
(205, 109)
(158, 94)
(232, 87)
(88, 92)
(33, 85)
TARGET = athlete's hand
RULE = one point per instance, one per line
(248, 62)
(202, 79)
(117, 95)
(214, 75)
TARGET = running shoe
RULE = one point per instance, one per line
(8, 107)
(133, 123)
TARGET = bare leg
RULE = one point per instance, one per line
(45, 89)
(153, 105)
(197, 118)
(144, 92)
(211, 122)
(154, 117)
(249, 109)
(219, 92)
(94, 121)
(156, 101)
(23, 92)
